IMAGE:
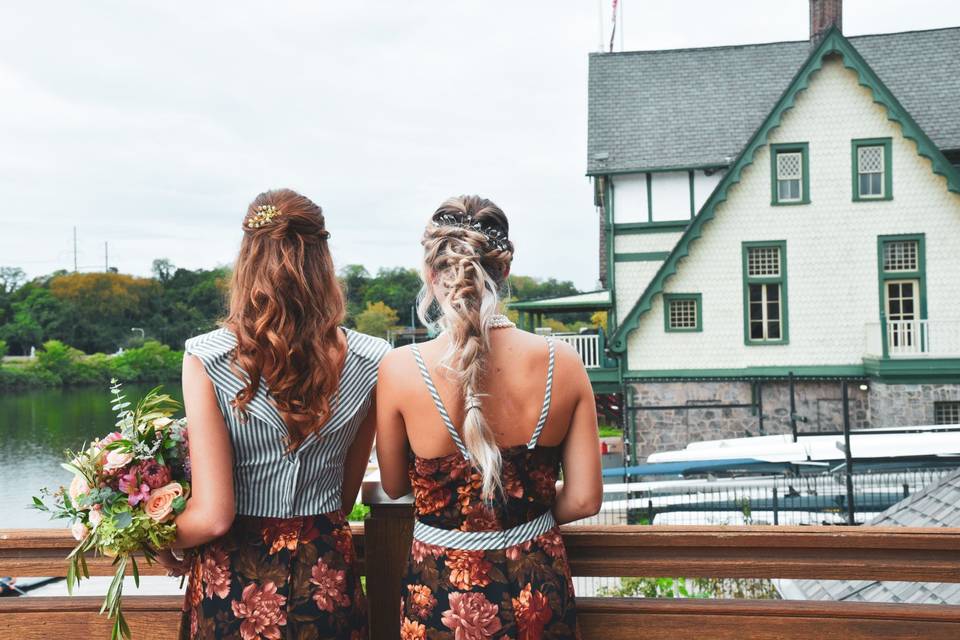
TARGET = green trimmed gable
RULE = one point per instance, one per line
(834, 43)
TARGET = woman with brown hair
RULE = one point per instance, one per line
(279, 403)
(479, 423)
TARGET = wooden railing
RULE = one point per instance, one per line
(864, 553)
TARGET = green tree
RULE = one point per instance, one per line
(3, 348)
(35, 318)
(377, 319)
(354, 279)
(162, 269)
(10, 279)
(397, 288)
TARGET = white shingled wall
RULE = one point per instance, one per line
(831, 244)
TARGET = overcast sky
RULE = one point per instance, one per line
(151, 125)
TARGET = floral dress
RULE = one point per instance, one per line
(277, 578)
(522, 591)
(286, 569)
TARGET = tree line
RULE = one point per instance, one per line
(108, 311)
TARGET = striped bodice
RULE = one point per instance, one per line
(268, 480)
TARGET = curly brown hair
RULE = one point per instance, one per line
(286, 308)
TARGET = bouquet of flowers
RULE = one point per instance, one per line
(126, 490)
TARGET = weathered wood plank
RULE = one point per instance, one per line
(41, 618)
(620, 619)
(43, 552)
(875, 553)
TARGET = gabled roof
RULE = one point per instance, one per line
(833, 43)
(698, 107)
(937, 505)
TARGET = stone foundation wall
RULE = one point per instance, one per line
(898, 405)
(819, 402)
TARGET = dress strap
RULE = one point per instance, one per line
(438, 402)
(547, 396)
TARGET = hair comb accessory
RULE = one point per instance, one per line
(496, 237)
(263, 215)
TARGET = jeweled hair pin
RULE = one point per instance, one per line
(496, 237)
(263, 215)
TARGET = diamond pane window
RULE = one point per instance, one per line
(870, 168)
(789, 176)
(901, 255)
(763, 262)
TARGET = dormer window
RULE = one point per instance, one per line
(789, 168)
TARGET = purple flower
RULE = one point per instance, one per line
(136, 491)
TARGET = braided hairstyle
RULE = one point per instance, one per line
(467, 257)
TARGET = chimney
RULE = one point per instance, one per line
(823, 15)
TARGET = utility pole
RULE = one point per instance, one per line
(75, 269)
(106, 258)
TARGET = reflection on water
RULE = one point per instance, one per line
(35, 428)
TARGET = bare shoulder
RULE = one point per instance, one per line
(396, 368)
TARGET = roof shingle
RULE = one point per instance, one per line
(698, 107)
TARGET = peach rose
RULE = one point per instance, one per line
(117, 459)
(78, 487)
(159, 506)
(96, 516)
(79, 530)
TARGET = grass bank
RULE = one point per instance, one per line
(58, 364)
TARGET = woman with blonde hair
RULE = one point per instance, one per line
(479, 422)
(279, 404)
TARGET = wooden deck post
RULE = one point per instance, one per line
(388, 531)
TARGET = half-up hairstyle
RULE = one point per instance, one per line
(286, 307)
(467, 256)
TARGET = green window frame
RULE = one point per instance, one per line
(765, 310)
(901, 272)
(786, 170)
(866, 174)
(678, 311)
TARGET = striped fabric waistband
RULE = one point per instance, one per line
(484, 540)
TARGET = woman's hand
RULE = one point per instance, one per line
(175, 566)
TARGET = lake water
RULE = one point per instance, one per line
(35, 429)
(37, 426)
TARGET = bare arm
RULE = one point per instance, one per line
(355, 464)
(392, 444)
(210, 509)
(581, 493)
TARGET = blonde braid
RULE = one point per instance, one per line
(469, 271)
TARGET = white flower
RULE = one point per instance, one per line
(78, 487)
(117, 459)
(96, 516)
(79, 530)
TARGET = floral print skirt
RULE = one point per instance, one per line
(523, 592)
(272, 578)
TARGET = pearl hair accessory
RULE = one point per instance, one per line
(500, 321)
(263, 215)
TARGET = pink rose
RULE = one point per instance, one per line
(79, 530)
(96, 516)
(117, 459)
(78, 488)
(159, 506)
